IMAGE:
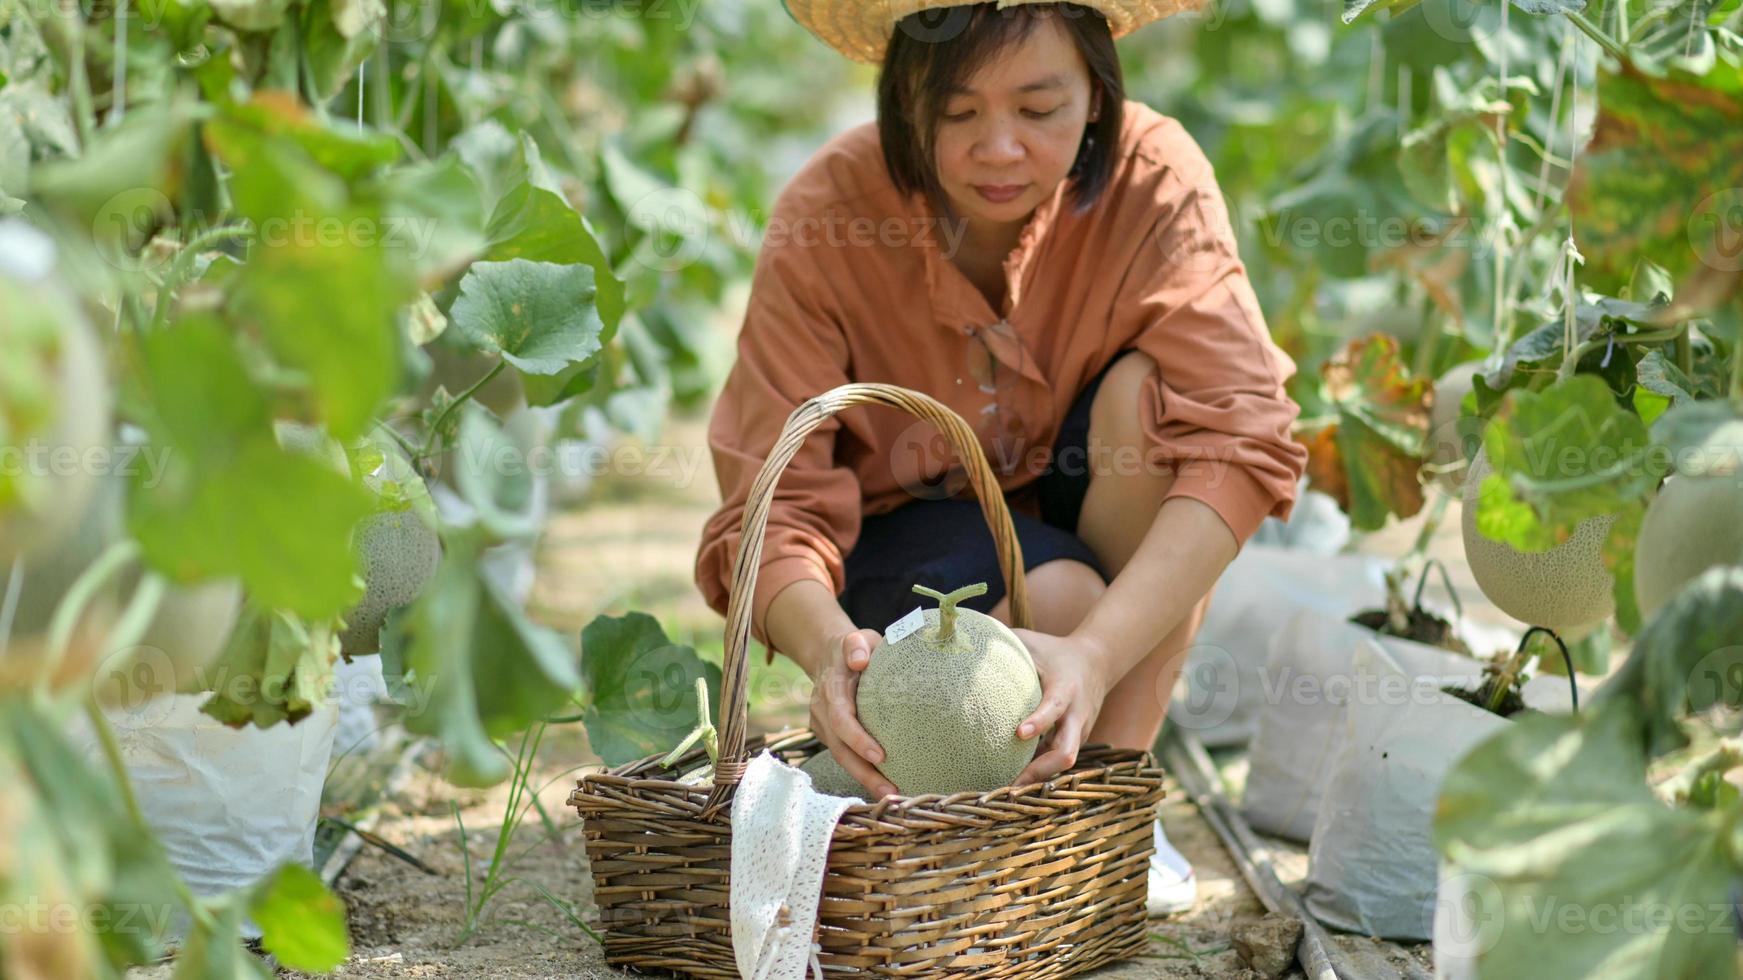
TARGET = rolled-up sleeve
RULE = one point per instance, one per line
(790, 348)
(1216, 411)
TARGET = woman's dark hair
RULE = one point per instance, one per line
(933, 52)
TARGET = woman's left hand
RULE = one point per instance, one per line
(1073, 687)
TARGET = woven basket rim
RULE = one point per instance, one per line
(1106, 764)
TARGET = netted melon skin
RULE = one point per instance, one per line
(1566, 589)
(947, 718)
(1694, 523)
(828, 778)
(399, 557)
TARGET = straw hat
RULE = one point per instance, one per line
(860, 29)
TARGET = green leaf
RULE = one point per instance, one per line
(539, 316)
(125, 169)
(279, 522)
(73, 841)
(1662, 176)
(215, 951)
(470, 666)
(533, 220)
(1382, 422)
(273, 668)
(439, 207)
(494, 474)
(318, 281)
(335, 41)
(1705, 438)
(301, 922)
(229, 501)
(280, 122)
(641, 687)
(1688, 658)
(1545, 8)
(1356, 8)
(1576, 868)
(251, 15)
(1569, 452)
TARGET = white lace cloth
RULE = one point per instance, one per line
(781, 830)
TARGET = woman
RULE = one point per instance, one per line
(1054, 263)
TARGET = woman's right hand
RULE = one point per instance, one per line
(834, 707)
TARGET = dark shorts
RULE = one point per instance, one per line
(945, 544)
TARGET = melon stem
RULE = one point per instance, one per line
(947, 604)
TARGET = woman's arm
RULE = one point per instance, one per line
(1181, 557)
(801, 619)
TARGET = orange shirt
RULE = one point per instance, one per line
(854, 283)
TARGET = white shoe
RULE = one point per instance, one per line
(1173, 886)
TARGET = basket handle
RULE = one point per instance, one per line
(730, 767)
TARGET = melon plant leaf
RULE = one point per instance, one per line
(1705, 438)
(301, 922)
(312, 243)
(1679, 39)
(1663, 176)
(1687, 658)
(1537, 356)
(335, 42)
(70, 830)
(1356, 8)
(1660, 375)
(641, 688)
(119, 173)
(1569, 453)
(1576, 869)
(1330, 211)
(215, 952)
(1382, 422)
(338, 148)
(1544, 8)
(436, 212)
(227, 500)
(273, 668)
(251, 15)
(494, 474)
(533, 220)
(541, 317)
(471, 667)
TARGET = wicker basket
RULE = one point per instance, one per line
(1040, 880)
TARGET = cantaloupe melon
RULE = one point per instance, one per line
(1566, 588)
(54, 408)
(1695, 523)
(945, 700)
(397, 546)
(1450, 441)
(398, 553)
(829, 778)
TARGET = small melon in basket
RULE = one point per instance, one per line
(828, 778)
(945, 700)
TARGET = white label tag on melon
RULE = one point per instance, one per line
(907, 624)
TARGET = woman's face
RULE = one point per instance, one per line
(1006, 141)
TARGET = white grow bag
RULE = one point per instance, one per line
(1372, 865)
(1308, 680)
(230, 805)
(1220, 694)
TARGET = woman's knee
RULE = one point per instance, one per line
(1113, 414)
(1061, 594)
